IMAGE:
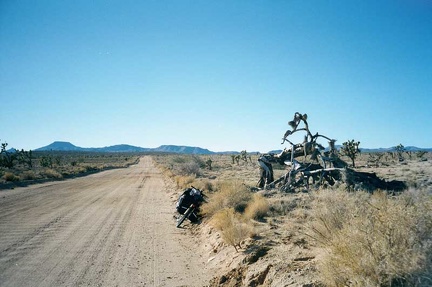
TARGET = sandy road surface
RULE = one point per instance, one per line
(114, 228)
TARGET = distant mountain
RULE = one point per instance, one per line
(407, 148)
(368, 150)
(67, 146)
(123, 148)
(182, 149)
(61, 146)
(413, 148)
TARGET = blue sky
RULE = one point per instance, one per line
(222, 75)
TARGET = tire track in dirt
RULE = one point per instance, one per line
(44, 231)
(66, 226)
(114, 228)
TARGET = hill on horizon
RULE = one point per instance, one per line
(67, 146)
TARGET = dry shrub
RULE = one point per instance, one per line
(168, 172)
(91, 168)
(373, 240)
(184, 181)
(232, 226)
(78, 169)
(51, 173)
(229, 194)
(187, 165)
(288, 204)
(204, 185)
(207, 186)
(188, 168)
(9, 176)
(257, 208)
(28, 175)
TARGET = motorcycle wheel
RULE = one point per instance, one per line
(184, 216)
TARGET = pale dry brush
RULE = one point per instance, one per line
(373, 240)
(257, 208)
(233, 227)
(228, 194)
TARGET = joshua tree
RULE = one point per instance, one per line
(6, 158)
(10, 158)
(399, 150)
(209, 163)
(300, 171)
(235, 158)
(25, 157)
(322, 173)
(420, 154)
(46, 161)
(351, 150)
(375, 158)
(243, 155)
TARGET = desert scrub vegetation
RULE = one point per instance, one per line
(185, 170)
(373, 239)
(230, 210)
(229, 194)
(357, 238)
(36, 166)
(186, 165)
(9, 176)
(230, 204)
(210, 166)
(234, 228)
(257, 208)
(177, 164)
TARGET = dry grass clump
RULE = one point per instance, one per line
(184, 169)
(373, 240)
(229, 194)
(28, 175)
(190, 167)
(51, 173)
(10, 176)
(257, 208)
(186, 165)
(184, 181)
(205, 185)
(232, 226)
(231, 207)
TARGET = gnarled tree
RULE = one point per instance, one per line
(323, 167)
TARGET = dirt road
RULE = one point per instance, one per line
(114, 228)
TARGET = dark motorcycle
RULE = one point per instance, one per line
(188, 205)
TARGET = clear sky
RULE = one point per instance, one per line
(222, 75)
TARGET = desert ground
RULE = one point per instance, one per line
(113, 228)
(117, 228)
(281, 250)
